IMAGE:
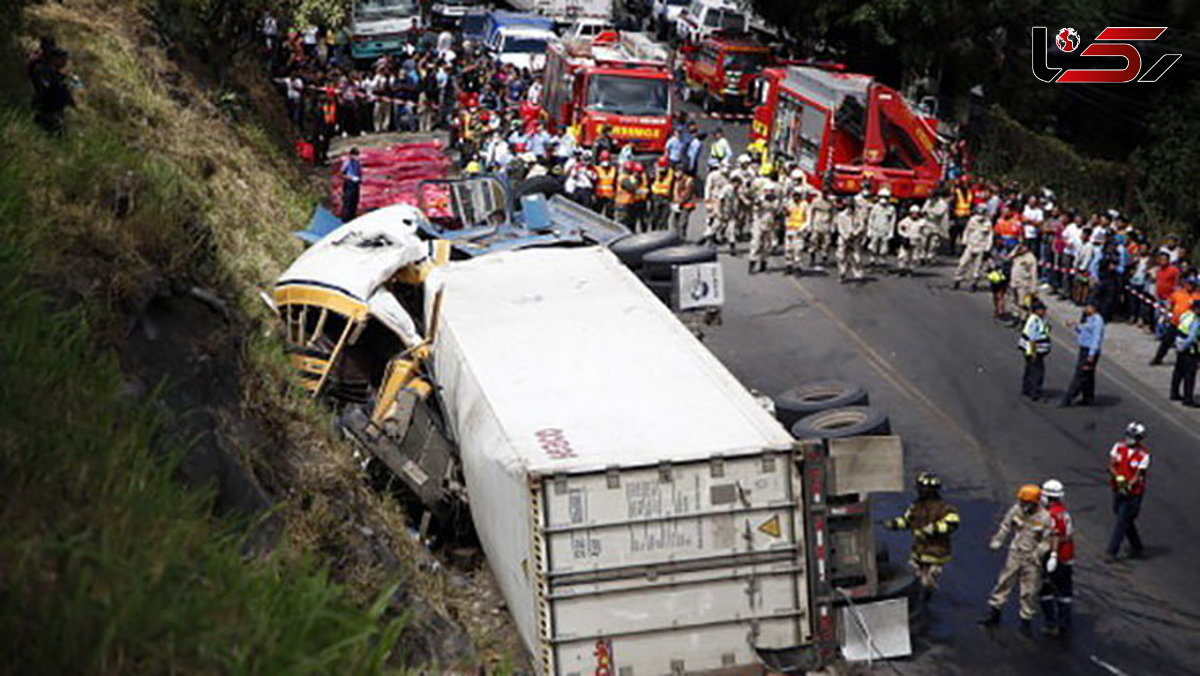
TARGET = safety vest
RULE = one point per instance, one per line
(797, 217)
(626, 195)
(995, 276)
(962, 203)
(1035, 338)
(1187, 323)
(606, 181)
(662, 184)
(1064, 529)
(329, 111)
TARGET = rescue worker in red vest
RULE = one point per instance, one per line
(1032, 533)
(932, 521)
(1035, 345)
(1057, 594)
(1128, 462)
(795, 227)
(660, 194)
(606, 184)
(630, 187)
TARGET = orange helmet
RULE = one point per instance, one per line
(1029, 493)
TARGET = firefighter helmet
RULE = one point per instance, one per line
(1029, 493)
(1135, 430)
(743, 159)
(1053, 488)
(929, 480)
(605, 156)
(662, 162)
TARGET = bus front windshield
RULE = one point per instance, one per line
(628, 95)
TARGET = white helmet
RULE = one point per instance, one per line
(914, 209)
(1053, 488)
(743, 159)
(1135, 430)
(797, 175)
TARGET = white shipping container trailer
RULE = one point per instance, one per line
(641, 512)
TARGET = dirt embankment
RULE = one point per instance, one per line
(160, 215)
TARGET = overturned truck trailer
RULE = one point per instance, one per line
(642, 513)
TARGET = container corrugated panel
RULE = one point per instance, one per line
(665, 568)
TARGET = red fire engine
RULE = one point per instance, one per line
(844, 130)
(624, 85)
(721, 68)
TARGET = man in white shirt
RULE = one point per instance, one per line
(1032, 217)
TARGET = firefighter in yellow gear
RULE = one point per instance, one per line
(932, 521)
(1032, 532)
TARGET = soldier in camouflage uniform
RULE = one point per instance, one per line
(767, 213)
(820, 229)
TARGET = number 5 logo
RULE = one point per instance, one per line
(1112, 41)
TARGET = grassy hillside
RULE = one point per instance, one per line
(134, 352)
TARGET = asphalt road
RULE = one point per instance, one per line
(949, 377)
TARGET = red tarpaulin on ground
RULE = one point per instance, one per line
(391, 174)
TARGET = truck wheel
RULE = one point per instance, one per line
(798, 402)
(538, 185)
(657, 264)
(631, 249)
(838, 423)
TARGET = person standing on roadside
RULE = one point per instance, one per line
(351, 185)
(1177, 302)
(1035, 345)
(1032, 532)
(977, 241)
(1058, 588)
(1128, 462)
(1187, 354)
(1089, 333)
(719, 150)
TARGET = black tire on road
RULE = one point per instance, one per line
(658, 263)
(798, 402)
(538, 185)
(838, 423)
(633, 248)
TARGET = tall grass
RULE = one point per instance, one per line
(109, 564)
